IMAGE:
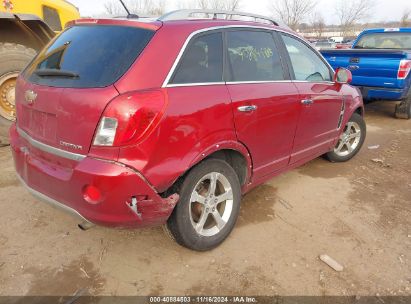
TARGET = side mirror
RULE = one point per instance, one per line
(342, 75)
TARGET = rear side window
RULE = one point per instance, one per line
(253, 56)
(202, 61)
(52, 18)
(97, 54)
(307, 65)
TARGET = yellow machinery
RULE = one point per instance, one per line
(26, 26)
(56, 13)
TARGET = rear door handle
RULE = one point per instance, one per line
(247, 108)
(307, 101)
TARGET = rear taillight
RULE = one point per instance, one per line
(106, 132)
(129, 117)
(404, 69)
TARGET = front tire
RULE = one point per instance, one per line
(208, 207)
(350, 141)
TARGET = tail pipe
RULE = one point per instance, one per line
(86, 225)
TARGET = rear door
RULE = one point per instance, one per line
(264, 100)
(64, 91)
(320, 100)
(201, 103)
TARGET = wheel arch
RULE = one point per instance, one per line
(234, 153)
(359, 110)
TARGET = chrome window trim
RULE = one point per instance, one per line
(49, 149)
(194, 84)
(166, 83)
(318, 82)
(259, 81)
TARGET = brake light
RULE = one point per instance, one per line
(92, 194)
(404, 69)
(129, 117)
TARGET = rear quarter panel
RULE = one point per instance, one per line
(198, 121)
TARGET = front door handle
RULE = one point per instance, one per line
(247, 108)
(307, 101)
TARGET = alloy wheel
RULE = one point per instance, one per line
(349, 139)
(211, 204)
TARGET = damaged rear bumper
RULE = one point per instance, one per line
(125, 198)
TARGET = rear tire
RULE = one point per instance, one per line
(350, 141)
(13, 59)
(208, 207)
(403, 110)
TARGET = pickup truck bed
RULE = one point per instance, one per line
(375, 72)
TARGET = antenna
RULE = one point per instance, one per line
(129, 15)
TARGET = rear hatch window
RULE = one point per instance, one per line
(88, 56)
(393, 40)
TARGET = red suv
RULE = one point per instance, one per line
(126, 123)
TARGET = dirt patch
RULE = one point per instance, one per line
(233, 282)
(78, 276)
(357, 212)
(257, 205)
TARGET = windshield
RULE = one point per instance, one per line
(385, 41)
(88, 56)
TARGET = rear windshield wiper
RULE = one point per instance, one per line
(55, 72)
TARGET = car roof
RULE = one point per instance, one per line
(188, 25)
(195, 18)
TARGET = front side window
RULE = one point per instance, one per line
(52, 18)
(202, 61)
(307, 65)
(253, 56)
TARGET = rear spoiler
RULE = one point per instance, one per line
(149, 24)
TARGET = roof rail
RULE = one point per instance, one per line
(214, 14)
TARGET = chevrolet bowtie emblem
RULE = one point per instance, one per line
(30, 96)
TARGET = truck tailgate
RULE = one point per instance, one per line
(373, 68)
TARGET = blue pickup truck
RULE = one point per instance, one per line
(380, 61)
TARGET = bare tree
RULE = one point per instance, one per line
(406, 18)
(318, 24)
(292, 12)
(350, 12)
(203, 4)
(139, 7)
(112, 8)
(148, 7)
(227, 5)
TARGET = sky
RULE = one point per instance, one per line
(384, 10)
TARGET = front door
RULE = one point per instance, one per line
(320, 103)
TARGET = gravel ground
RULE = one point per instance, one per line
(359, 213)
